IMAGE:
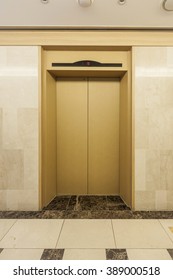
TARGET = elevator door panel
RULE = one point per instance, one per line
(103, 137)
(71, 136)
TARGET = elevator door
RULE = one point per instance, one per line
(88, 136)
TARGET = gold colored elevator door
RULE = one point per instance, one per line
(88, 136)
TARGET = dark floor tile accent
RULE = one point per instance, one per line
(21, 214)
(58, 203)
(53, 214)
(86, 207)
(70, 214)
(170, 251)
(111, 214)
(52, 254)
(87, 203)
(74, 203)
(116, 203)
(152, 214)
(1, 250)
(116, 254)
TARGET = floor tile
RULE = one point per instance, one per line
(52, 254)
(87, 202)
(84, 254)
(58, 203)
(86, 234)
(168, 225)
(116, 254)
(170, 251)
(5, 225)
(148, 254)
(21, 254)
(32, 234)
(1, 250)
(140, 234)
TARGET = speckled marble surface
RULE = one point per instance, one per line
(116, 254)
(170, 251)
(86, 207)
(52, 254)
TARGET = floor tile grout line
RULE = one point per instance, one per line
(113, 234)
(59, 235)
(9, 229)
(159, 220)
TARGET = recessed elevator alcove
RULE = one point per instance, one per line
(86, 124)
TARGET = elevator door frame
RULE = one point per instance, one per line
(125, 90)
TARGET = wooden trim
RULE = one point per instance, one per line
(87, 38)
(40, 55)
(133, 127)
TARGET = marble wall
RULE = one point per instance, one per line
(18, 128)
(153, 89)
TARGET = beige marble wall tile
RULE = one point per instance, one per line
(19, 128)
(166, 170)
(152, 170)
(141, 132)
(10, 135)
(31, 169)
(19, 200)
(1, 128)
(3, 200)
(23, 200)
(22, 56)
(28, 127)
(145, 200)
(169, 200)
(150, 58)
(161, 200)
(12, 169)
(153, 93)
(140, 169)
(19, 92)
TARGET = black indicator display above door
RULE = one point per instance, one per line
(86, 63)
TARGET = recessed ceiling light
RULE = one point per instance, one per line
(85, 3)
(44, 1)
(121, 2)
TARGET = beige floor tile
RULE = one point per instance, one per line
(32, 234)
(148, 254)
(86, 234)
(84, 254)
(168, 227)
(5, 225)
(21, 254)
(140, 234)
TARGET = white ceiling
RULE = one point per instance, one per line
(101, 14)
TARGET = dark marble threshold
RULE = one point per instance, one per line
(98, 214)
(86, 207)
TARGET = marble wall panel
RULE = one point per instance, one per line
(153, 83)
(28, 127)
(12, 169)
(19, 128)
(0, 128)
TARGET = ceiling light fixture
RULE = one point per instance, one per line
(165, 6)
(85, 3)
(121, 2)
(45, 1)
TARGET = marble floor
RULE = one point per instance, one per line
(86, 228)
(86, 207)
(86, 239)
